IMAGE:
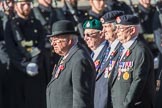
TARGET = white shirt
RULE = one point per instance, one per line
(113, 46)
(98, 50)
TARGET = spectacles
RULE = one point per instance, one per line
(122, 28)
(56, 41)
(90, 34)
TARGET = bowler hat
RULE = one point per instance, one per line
(62, 27)
(111, 16)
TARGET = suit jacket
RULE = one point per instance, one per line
(133, 84)
(74, 86)
(101, 86)
(98, 61)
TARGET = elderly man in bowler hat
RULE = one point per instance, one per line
(72, 83)
(95, 40)
(133, 83)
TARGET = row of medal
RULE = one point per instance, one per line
(125, 68)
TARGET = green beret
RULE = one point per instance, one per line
(92, 24)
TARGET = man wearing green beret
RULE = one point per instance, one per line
(95, 40)
(24, 37)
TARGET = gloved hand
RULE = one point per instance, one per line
(32, 69)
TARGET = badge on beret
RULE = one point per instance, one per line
(88, 24)
(90, 17)
(102, 20)
(118, 20)
(126, 76)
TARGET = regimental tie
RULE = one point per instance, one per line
(119, 61)
(120, 53)
(92, 55)
(105, 58)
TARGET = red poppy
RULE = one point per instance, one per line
(97, 62)
(128, 53)
(113, 53)
(61, 67)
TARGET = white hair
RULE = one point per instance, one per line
(74, 38)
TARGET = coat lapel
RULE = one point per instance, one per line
(99, 59)
(112, 55)
(73, 51)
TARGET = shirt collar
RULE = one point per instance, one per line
(114, 44)
(99, 48)
(129, 43)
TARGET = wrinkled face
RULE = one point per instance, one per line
(110, 31)
(93, 38)
(61, 44)
(72, 2)
(45, 2)
(124, 33)
(145, 3)
(23, 8)
(98, 4)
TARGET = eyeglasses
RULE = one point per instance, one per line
(51, 40)
(91, 34)
(122, 28)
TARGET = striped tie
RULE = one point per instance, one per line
(105, 58)
(120, 53)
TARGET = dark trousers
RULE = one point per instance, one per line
(26, 91)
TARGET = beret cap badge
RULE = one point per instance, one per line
(88, 24)
(118, 20)
(102, 20)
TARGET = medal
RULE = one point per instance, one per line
(126, 76)
(157, 85)
(119, 74)
(106, 73)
